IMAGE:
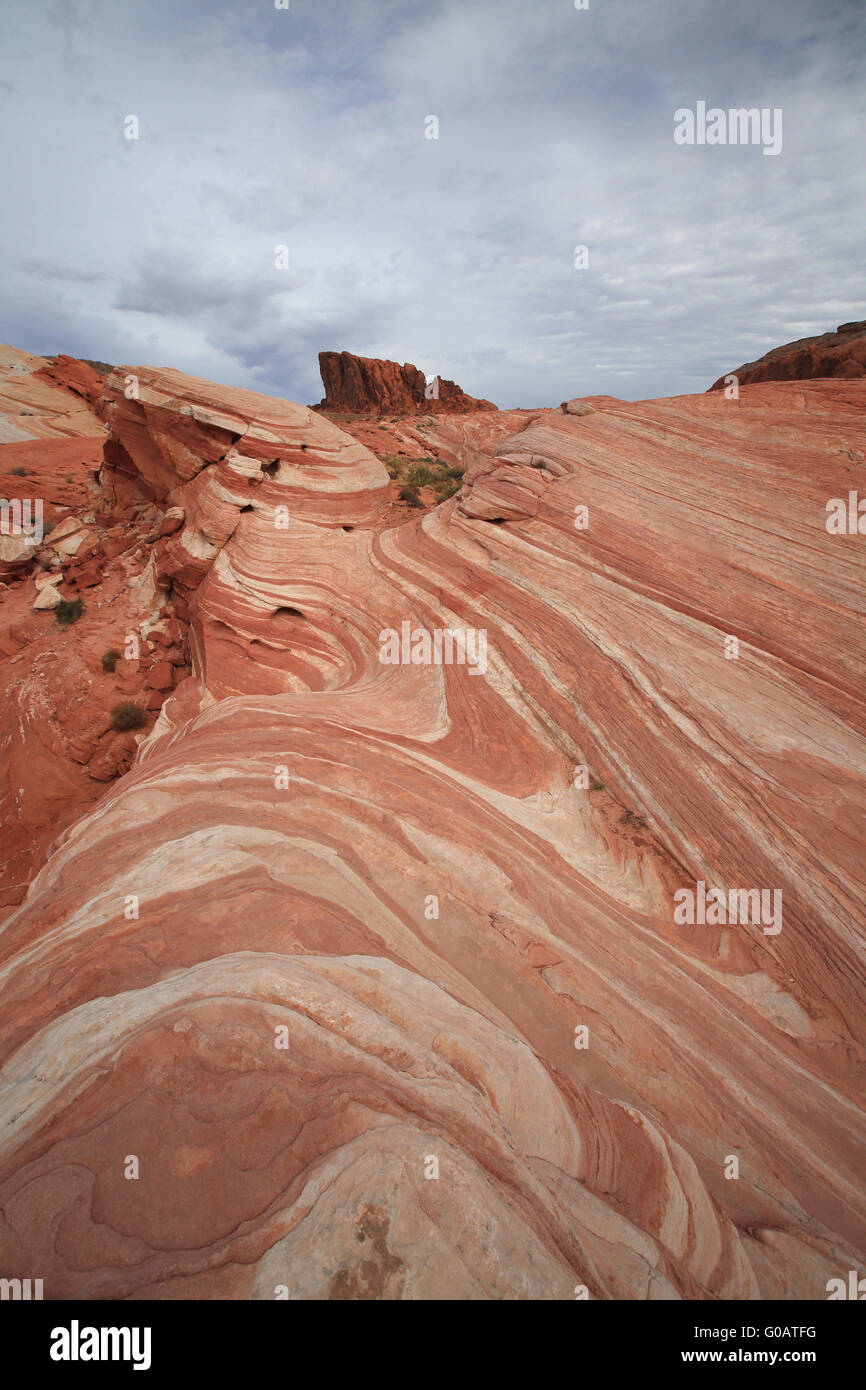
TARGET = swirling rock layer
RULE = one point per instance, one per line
(355, 986)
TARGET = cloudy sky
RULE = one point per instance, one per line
(305, 127)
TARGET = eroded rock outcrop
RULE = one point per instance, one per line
(367, 384)
(385, 996)
(37, 402)
(168, 500)
(60, 684)
(50, 445)
(72, 374)
(842, 353)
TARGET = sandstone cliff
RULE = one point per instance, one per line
(842, 353)
(365, 384)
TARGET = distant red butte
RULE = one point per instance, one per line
(366, 385)
(842, 353)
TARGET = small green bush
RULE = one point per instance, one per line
(447, 489)
(410, 494)
(128, 715)
(20, 472)
(68, 611)
(422, 475)
(110, 659)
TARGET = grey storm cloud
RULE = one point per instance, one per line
(305, 128)
(51, 270)
(176, 283)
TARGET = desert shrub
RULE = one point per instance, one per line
(110, 659)
(128, 715)
(20, 472)
(447, 489)
(422, 475)
(409, 493)
(68, 611)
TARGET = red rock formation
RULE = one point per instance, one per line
(50, 449)
(448, 442)
(135, 558)
(73, 375)
(38, 403)
(842, 353)
(322, 960)
(57, 747)
(55, 474)
(367, 384)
